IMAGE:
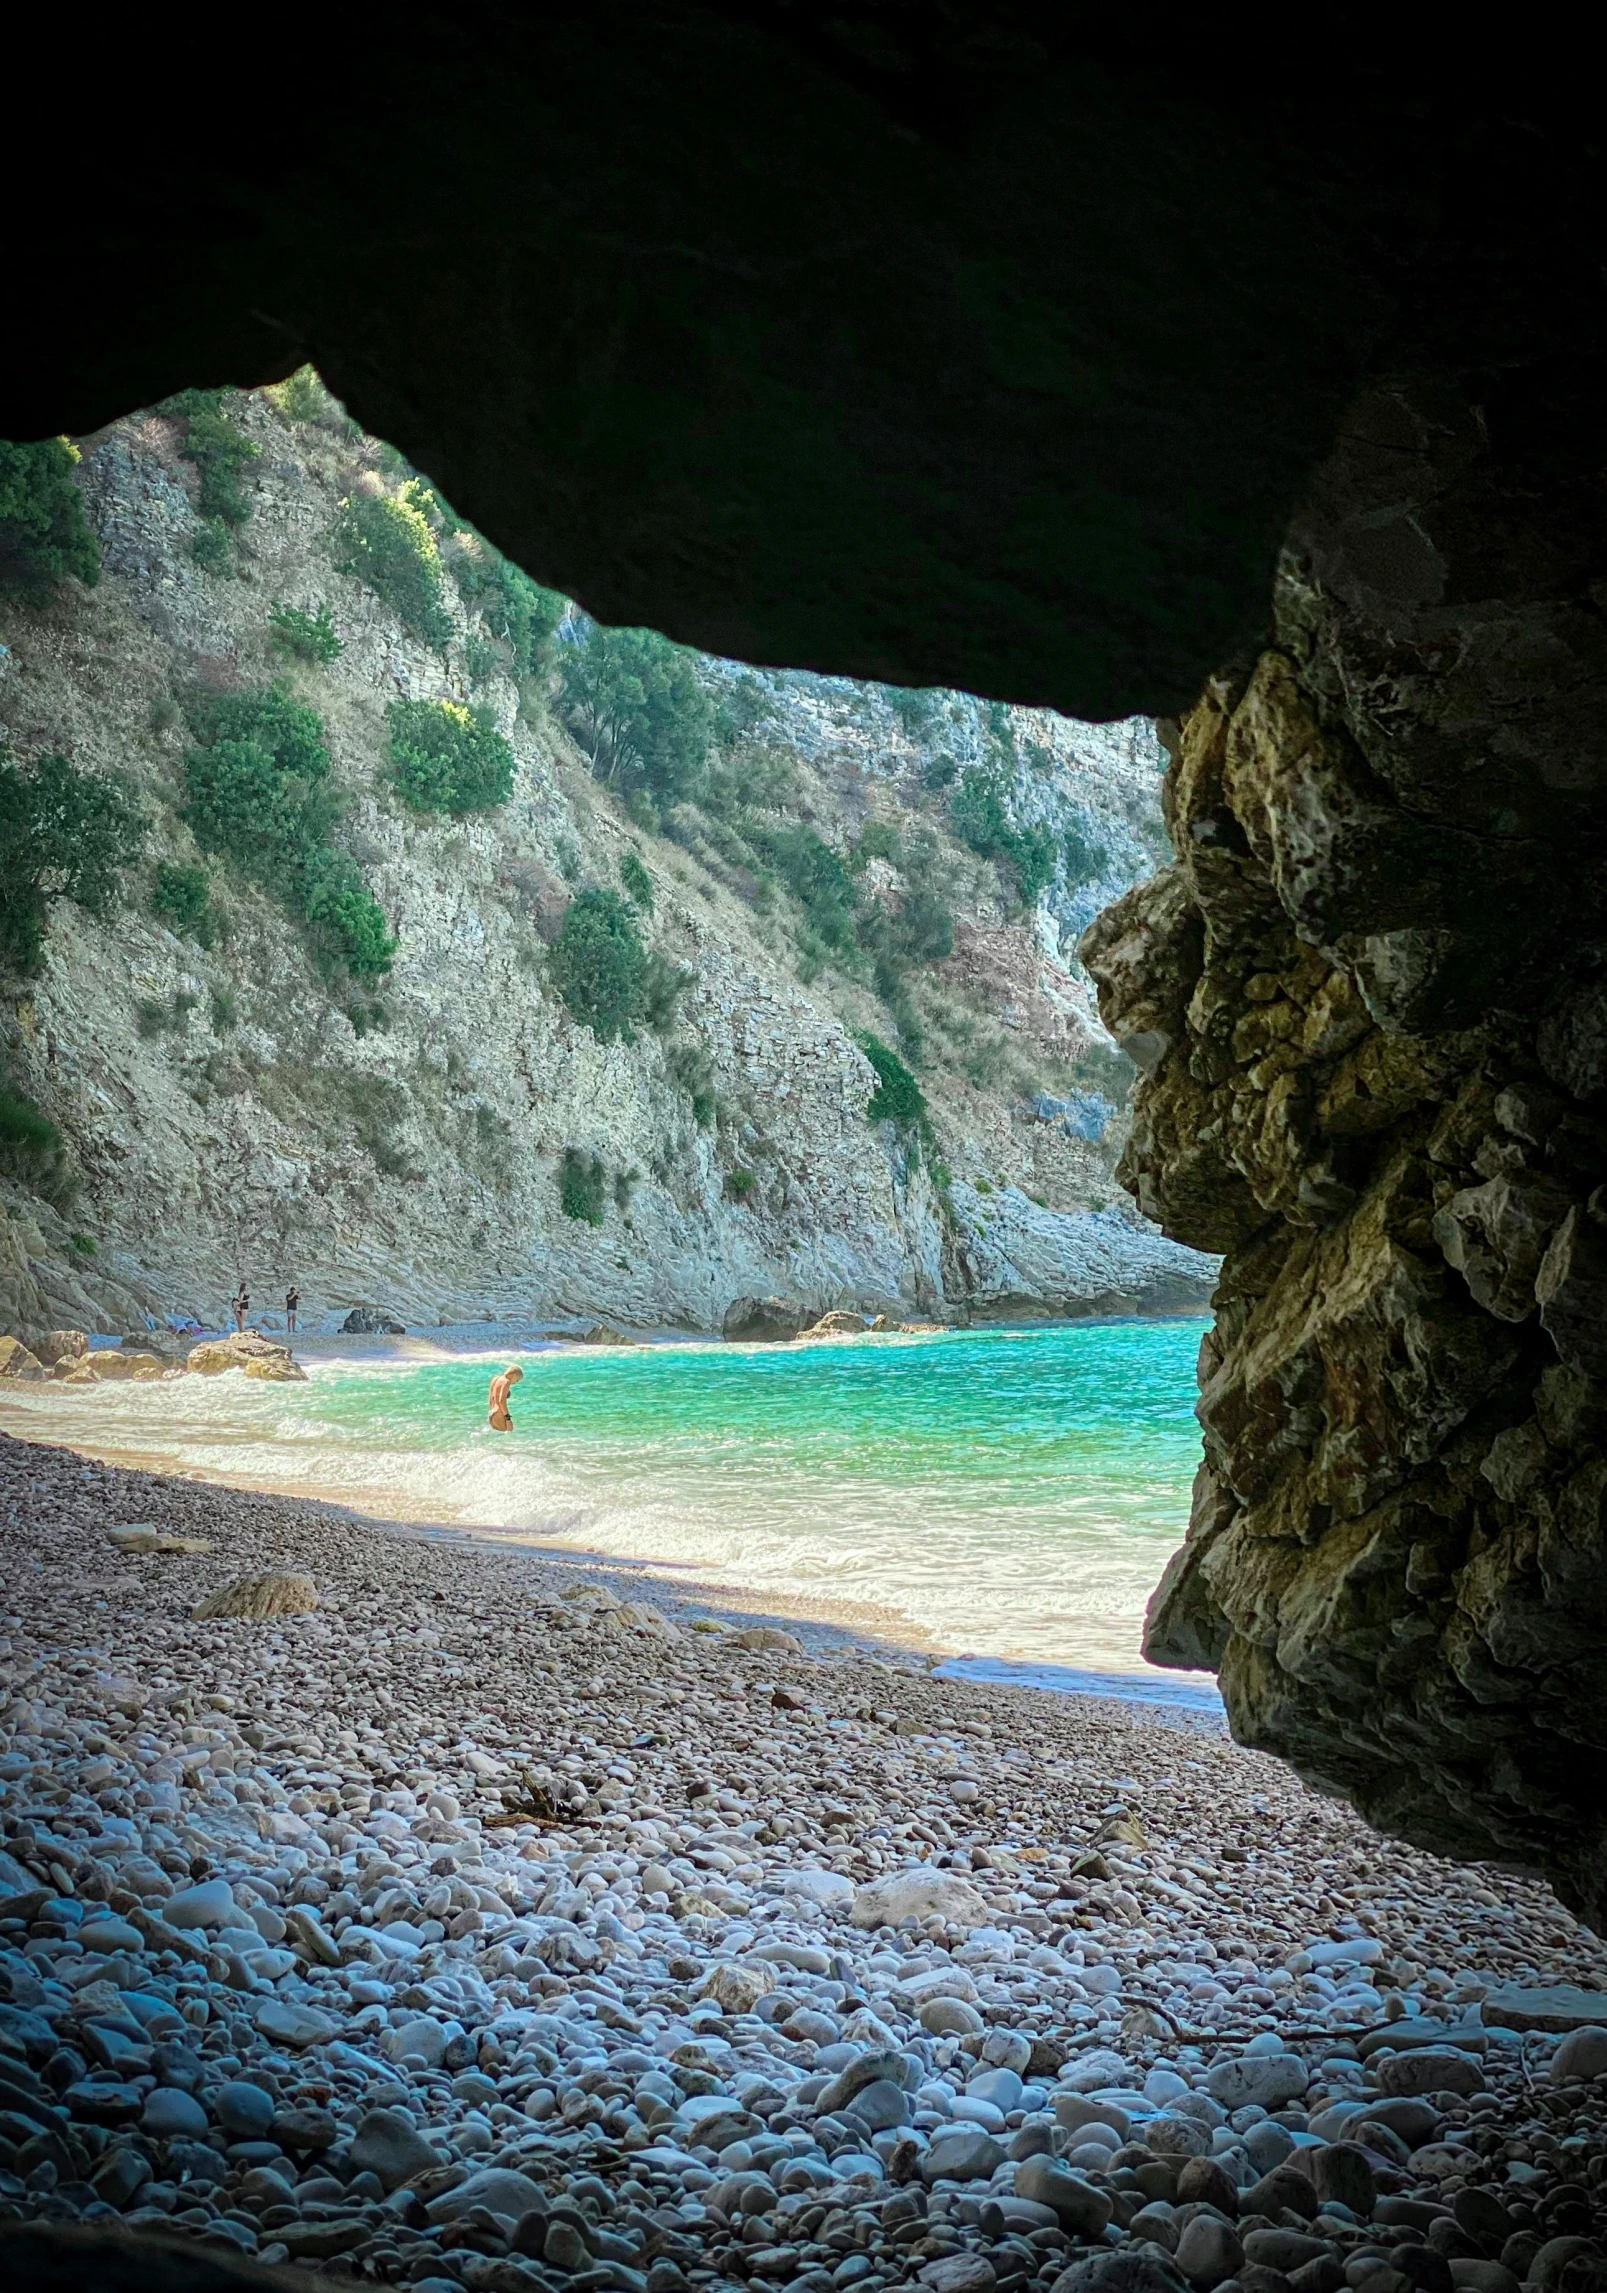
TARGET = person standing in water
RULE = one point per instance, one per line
(292, 1301)
(501, 1386)
(240, 1306)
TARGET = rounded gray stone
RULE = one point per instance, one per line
(1076, 2204)
(169, 2111)
(1208, 2251)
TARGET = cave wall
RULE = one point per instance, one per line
(1371, 997)
(906, 340)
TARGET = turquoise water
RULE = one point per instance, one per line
(1012, 1494)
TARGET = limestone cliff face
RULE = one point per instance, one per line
(1369, 998)
(233, 1109)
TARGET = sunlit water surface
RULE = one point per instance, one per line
(1009, 1494)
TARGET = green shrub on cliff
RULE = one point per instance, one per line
(600, 967)
(446, 758)
(64, 834)
(898, 1098)
(44, 534)
(183, 898)
(259, 792)
(304, 636)
(581, 1184)
(385, 540)
(637, 882)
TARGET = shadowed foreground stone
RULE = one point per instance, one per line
(72, 2260)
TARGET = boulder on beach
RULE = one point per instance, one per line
(278, 1593)
(61, 1345)
(111, 1368)
(19, 1361)
(215, 1355)
(763, 1321)
(605, 1334)
(839, 1325)
(371, 1322)
(919, 1894)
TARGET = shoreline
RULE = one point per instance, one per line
(877, 1623)
(456, 1923)
(851, 1621)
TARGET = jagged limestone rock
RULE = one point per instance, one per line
(1368, 1002)
(764, 1321)
(277, 1593)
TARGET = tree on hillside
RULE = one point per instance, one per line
(634, 703)
(63, 836)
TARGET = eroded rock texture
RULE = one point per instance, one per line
(1370, 998)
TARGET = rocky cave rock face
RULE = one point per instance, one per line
(1369, 1001)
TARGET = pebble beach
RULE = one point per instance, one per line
(431, 1913)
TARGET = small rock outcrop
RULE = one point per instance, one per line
(764, 1321)
(369, 1322)
(277, 1593)
(257, 1356)
(838, 1326)
(1369, 1002)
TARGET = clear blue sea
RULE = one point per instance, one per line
(1009, 1495)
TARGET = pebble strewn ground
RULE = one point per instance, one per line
(482, 1929)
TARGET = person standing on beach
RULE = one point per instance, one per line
(292, 1301)
(501, 1386)
(240, 1305)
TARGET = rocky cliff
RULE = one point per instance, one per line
(1369, 997)
(231, 1100)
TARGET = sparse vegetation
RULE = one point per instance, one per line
(981, 819)
(259, 792)
(512, 606)
(303, 636)
(740, 1183)
(385, 541)
(221, 452)
(31, 1148)
(183, 898)
(84, 1244)
(600, 967)
(225, 1011)
(45, 537)
(446, 758)
(153, 1018)
(64, 834)
(817, 880)
(691, 1070)
(582, 1181)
